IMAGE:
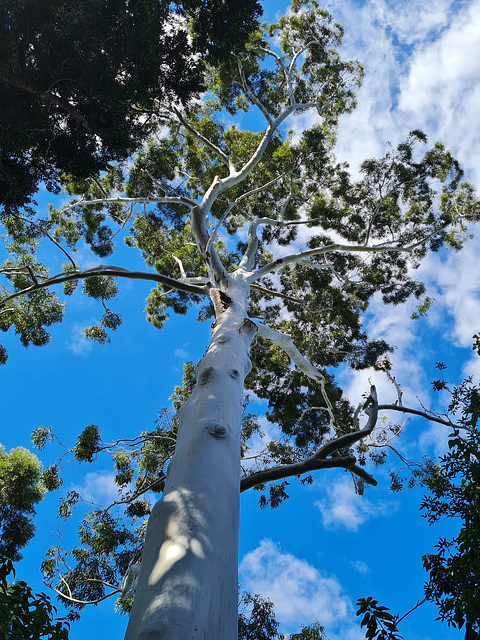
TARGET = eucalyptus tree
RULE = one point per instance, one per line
(267, 234)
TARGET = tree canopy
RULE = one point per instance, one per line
(223, 217)
(68, 71)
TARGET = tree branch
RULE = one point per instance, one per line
(234, 203)
(275, 294)
(416, 412)
(294, 469)
(251, 96)
(208, 143)
(71, 599)
(319, 459)
(21, 82)
(298, 257)
(216, 271)
(121, 200)
(371, 408)
(105, 270)
(286, 343)
(247, 261)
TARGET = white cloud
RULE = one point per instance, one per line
(360, 566)
(79, 345)
(442, 87)
(342, 507)
(421, 71)
(301, 594)
(98, 487)
(455, 277)
(182, 353)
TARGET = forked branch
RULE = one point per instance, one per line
(319, 459)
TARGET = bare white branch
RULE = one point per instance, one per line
(286, 343)
(208, 143)
(250, 95)
(144, 201)
(106, 270)
(298, 257)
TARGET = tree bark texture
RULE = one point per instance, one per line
(188, 582)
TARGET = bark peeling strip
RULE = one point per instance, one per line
(206, 376)
(216, 430)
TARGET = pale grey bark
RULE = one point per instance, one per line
(187, 587)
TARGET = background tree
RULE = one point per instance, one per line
(24, 614)
(201, 177)
(452, 484)
(21, 488)
(67, 72)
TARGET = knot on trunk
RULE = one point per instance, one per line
(248, 327)
(216, 430)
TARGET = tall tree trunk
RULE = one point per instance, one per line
(187, 588)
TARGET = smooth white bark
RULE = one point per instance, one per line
(187, 587)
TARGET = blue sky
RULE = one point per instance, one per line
(325, 547)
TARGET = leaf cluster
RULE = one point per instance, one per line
(111, 537)
(25, 614)
(20, 490)
(379, 622)
(454, 492)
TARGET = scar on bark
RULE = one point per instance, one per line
(220, 299)
(206, 376)
(248, 326)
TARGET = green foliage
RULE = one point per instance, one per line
(379, 622)
(454, 492)
(20, 490)
(256, 619)
(67, 503)
(476, 343)
(101, 558)
(109, 541)
(98, 333)
(51, 479)
(182, 392)
(41, 436)
(314, 632)
(25, 614)
(97, 81)
(88, 444)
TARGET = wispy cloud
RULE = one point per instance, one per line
(343, 508)
(77, 344)
(182, 353)
(360, 566)
(421, 72)
(301, 594)
(98, 487)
